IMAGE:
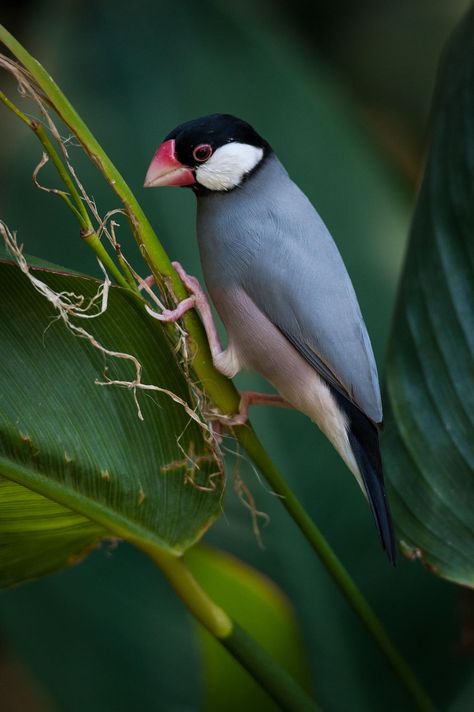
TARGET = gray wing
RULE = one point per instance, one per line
(298, 280)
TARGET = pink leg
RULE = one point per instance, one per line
(147, 282)
(248, 398)
(173, 314)
(203, 307)
(199, 301)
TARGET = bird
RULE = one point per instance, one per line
(282, 291)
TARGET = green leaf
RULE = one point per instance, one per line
(429, 442)
(90, 466)
(37, 535)
(257, 604)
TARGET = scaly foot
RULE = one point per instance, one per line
(248, 398)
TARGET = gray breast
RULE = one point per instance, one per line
(228, 224)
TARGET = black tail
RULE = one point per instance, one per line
(364, 441)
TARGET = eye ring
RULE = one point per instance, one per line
(202, 152)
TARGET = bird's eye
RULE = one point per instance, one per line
(202, 152)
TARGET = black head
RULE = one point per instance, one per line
(212, 153)
(215, 130)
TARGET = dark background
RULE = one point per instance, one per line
(341, 90)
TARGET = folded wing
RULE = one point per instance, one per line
(299, 281)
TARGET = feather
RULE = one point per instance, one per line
(364, 442)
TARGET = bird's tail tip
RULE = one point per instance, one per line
(364, 443)
(372, 477)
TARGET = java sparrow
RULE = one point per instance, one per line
(281, 289)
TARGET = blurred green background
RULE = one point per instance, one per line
(341, 90)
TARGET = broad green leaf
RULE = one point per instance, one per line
(38, 535)
(258, 605)
(82, 445)
(429, 443)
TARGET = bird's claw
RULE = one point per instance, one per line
(191, 283)
(229, 420)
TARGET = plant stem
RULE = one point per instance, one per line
(338, 572)
(94, 242)
(39, 130)
(212, 617)
(274, 679)
(77, 207)
(219, 389)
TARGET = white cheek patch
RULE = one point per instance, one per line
(228, 165)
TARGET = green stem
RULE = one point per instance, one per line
(78, 210)
(15, 109)
(88, 233)
(275, 680)
(219, 389)
(127, 271)
(246, 436)
(39, 130)
(94, 242)
(196, 599)
(77, 207)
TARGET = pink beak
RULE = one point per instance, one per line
(165, 169)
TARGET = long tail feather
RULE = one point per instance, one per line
(364, 442)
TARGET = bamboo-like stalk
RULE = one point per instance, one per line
(219, 389)
(274, 679)
(73, 200)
